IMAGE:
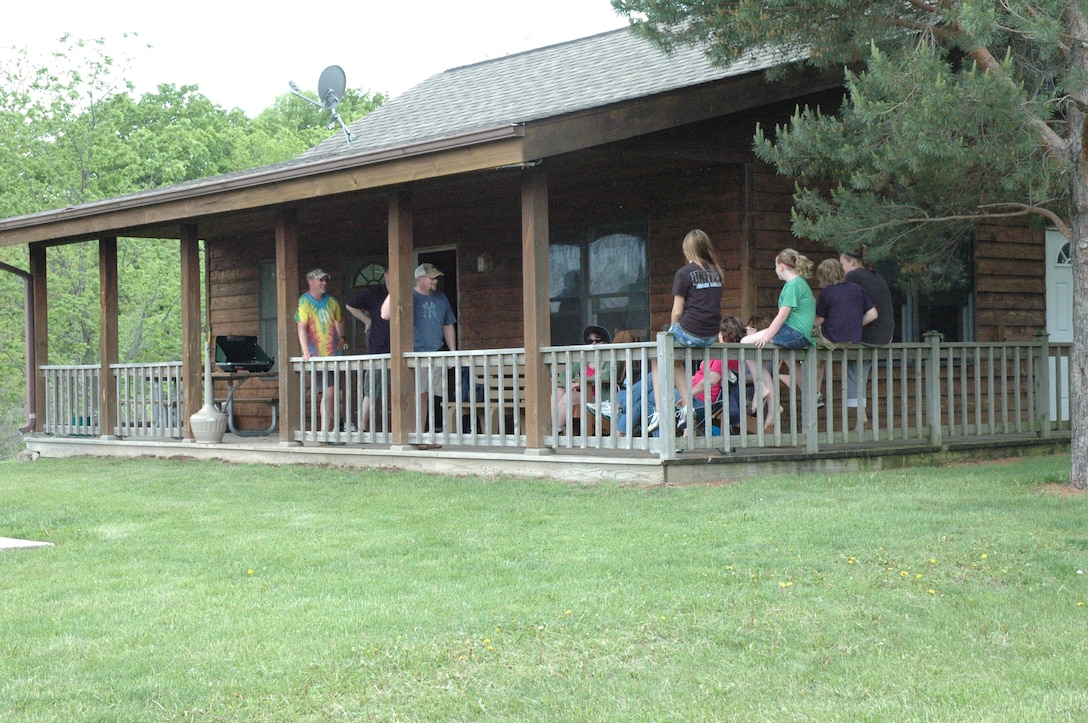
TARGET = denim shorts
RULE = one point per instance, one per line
(789, 338)
(682, 338)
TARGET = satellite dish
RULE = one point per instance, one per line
(331, 86)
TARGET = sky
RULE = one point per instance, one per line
(243, 53)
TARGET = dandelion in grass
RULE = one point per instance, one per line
(250, 572)
(984, 556)
(932, 591)
(932, 561)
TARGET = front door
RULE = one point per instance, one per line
(1059, 313)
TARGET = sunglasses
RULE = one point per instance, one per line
(596, 340)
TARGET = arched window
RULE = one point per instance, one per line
(1065, 255)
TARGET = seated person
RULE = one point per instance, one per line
(571, 390)
(629, 404)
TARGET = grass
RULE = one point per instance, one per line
(186, 591)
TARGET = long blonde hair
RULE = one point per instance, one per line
(699, 251)
(791, 259)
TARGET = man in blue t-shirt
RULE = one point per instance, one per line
(433, 327)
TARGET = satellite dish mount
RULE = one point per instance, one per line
(330, 89)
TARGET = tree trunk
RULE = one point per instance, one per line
(1078, 363)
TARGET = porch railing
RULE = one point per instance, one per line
(355, 391)
(924, 391)
(72, 400)
(149, 402)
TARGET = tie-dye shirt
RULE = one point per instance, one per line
(320, 317)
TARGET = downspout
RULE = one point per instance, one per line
(28, 308)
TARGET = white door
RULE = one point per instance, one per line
(1059, 313)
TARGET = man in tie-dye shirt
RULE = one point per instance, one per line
(320, 333)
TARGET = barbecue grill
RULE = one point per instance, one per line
(241, 353)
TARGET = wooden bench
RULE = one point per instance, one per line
(497, 401)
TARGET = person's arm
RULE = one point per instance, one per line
(450, 336)
(303, 341)
(870, 316)
(361, 316)
(386, 307)
(677, 308)
(709, 381)
(820, 321)
(342, 340)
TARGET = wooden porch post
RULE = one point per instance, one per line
(192, 350)
(286, 330)
(536, 309)
(747, 246)
(41, 329)
(402, 315)
(107, 336)
(933, 387)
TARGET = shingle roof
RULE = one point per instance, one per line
(577, 75)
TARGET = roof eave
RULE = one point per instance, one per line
(160, 207)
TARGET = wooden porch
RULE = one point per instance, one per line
(927, 403)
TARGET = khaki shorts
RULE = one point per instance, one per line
(432, 380)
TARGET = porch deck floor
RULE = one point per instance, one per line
(572, 465)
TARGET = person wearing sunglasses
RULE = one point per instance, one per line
(572, 391)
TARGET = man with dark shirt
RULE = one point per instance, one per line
(881, 330)
(366, 306)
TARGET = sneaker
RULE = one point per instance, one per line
(653, 422)
(819, 400)
(604, 409)
(681, 419)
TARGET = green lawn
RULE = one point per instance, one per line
(203, 591)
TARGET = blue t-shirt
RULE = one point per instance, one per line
(432, 312)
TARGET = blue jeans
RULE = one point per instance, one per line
(628, 405)
(855, 391)
(682, 338)
(789, 338)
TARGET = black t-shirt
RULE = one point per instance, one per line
(702, 292)
(883, 328)
(370, 300)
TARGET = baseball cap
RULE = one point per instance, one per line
(318, 274)
(427, 270)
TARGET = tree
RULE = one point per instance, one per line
(962, 111)
(72, 132)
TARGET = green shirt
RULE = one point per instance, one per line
(798, 296)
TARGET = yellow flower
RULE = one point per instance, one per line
(250, 572)
(984, 556)
(932, 591)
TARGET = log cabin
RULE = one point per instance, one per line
(553, 188)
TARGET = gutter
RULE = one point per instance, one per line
(31, 362)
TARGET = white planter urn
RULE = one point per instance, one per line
(209, 424)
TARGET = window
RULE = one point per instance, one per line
(950, 311)
(598, 276)
(266, 310)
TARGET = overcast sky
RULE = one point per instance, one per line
(243, 53)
